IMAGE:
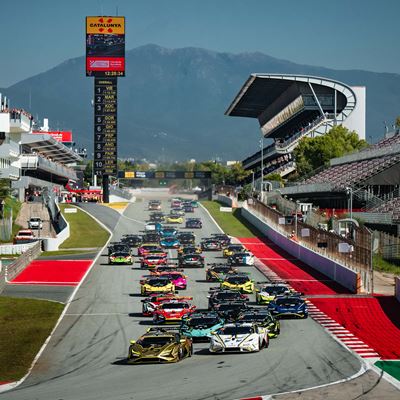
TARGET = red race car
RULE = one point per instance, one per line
(172, 311)
(150, 261)
(153, 302)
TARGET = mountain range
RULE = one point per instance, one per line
(171, 103)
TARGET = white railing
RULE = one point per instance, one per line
(15, 248)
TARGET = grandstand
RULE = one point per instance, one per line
(290, 107)
(373, 177)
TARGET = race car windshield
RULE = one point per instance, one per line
(254, 317)
(208, 322)
(168, 230)
(192, 257)
(227, 296)
(174, 276)
(222, 269)
(288, 302)
(120, 254)
(227, 307)
(158, 282)
(242, 254)
(236, 330)
(237, 280)
(156, 341)
(175, 306)
(235, 248)
(276, 290)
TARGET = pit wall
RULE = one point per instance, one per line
(229, 201)
(397, 287)
(333, 270)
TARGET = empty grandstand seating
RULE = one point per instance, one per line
(392, 206)
(351, 174)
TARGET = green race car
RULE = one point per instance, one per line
(120, 257)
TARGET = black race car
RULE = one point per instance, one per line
(157, 217)
(229, 311)
(118, 247)
(262, 317)
(191, 260)
(217, 272)
(132, 240)
(222, 237)
(211, 245)
(151, 238)
(186, 238)
(193, 223)
(218, 296)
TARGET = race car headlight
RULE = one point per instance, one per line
(216, 341)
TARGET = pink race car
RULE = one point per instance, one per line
(179, 279)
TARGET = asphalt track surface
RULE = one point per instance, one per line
(85, 358)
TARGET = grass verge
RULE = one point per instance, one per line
(385, 266)
(63, 252)
(231, 223)
(391, 367)
(25, 325)
(84, 230)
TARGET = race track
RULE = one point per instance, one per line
(84, 360)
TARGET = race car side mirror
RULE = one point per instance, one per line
(257, 290)
(132, 341)
(183, 341)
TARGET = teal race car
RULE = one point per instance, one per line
(120, 257)
(199, 326)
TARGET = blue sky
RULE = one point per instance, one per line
(355, 34)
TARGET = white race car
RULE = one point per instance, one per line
(240, 338)
(241, 258)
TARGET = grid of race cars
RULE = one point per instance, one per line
(230, 324)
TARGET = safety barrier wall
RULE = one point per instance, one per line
(52, 244)
(397, 287)
(335, 271)
(225, 200)
(16, 267)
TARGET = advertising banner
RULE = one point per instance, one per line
(105, 46)
(60, 136)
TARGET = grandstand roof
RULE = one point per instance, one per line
(261, 90)
(48, 146)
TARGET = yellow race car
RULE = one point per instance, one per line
(156, 284)
(268, 292)
(232, 249)
(174, 219)
(240, 282)
(159, 345)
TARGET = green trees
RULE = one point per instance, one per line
(220, 174)
(312, 153)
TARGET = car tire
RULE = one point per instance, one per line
(180, 353)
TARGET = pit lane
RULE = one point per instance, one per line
(85, 358)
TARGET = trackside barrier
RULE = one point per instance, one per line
(397, 287)
(52, 244)
(229, 201)
(335, 271)
(15, 248)
(16, 267)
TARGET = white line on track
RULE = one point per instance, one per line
(94, 314)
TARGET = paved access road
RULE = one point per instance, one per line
(85, 357)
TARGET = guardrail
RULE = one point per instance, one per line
(357, 257)
(16, 267)
(397, 287)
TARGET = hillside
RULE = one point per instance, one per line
(172, 101)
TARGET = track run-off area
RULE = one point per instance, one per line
(85, 358)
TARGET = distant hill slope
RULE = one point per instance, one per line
(172, 102)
